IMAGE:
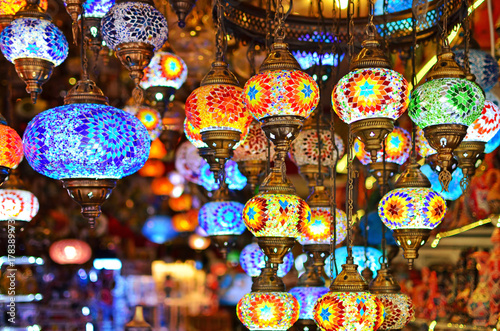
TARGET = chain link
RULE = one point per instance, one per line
(444, 29)
(466, 25)
(279, 17)
(351, 174)
(350, 28)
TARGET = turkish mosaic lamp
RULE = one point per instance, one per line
(11, 149)
(444, 107)
(87, 145)
(134, 30)
(9, 8)
(482, 65)
(371, 97)
(17, 203)
(93, 12)
(34, 45)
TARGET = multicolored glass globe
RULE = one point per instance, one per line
(339, 311)
(188, 162)
(281, 93)
(307, 298)
(165, 69)
(424, 149)
(454, 190)
(18, 205)
(253, 259)
(97, 8)
(268, 310)
(86, 141)
(305, 149)
(482, 65)
(235, 180)
(316, 230)
(11, 149)
(193, 135)
(159, 229)
(369, 260)
(276, 215)
(486, 125)
(149, 117)
(398, 309)
(494, 142)
(254, 148)
(398, 147)
(221, 218)
(370, 93)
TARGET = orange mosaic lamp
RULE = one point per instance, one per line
(11, 149)
(9, 8)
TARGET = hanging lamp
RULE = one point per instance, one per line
(182, 8)
(134, 30)
(16, 202)
(11, 150)
(9, 8)
(252, 260)
(426, 151)
(149, 117)
(94, 11)
(35, 46)
(74, 9)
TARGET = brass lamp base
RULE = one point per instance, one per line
(4, 173)
(305, 325)
(468, 154)
(252, 170)
(221, 142)
(384, 283)
(159, 97)
(372, 132)
(318, 253)
(383, 173)
(74, 9)
(90, 194)
(349, 279)
(445, 139)
(313, 275)
(209, 155)
(433, 161)
(411, 240)
(34, 72)
(223, 243)
(310, 172)
(268, 281)
(5, 20)
(135, 57)
(275, 248)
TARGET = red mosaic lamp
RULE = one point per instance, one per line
(11, 149)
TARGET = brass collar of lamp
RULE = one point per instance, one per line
(413, 176)
(371, 55)
(349, 279)
(85, 91)
(33, 10)
(279, 58)
(384, 283)
(311, 276)
(268, 281)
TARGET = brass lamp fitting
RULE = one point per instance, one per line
(468, 154)
(253, 171)
(411, 240)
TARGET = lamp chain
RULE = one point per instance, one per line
(351, 174)
(279, 18)
(414, 80)
(268, 25)
(444, 30)
(466, 25)
(384, 191)
(319, 178)
(220, 36)
(83, 51)
(350, 28)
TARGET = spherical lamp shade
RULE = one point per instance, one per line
(370, 260)
(281, 93)
(307, 298)
(494, 142)
(70, 251)
(149, 117)
(412, 208)
(217, 107)
(165, 69)
(276, 215)
(336, 311)
(398, 147)
(398, 309)
(153, 168)
(33, 38)
(222, 218)
(181, 203)
(268, 310)
(370, 93)
(193, 135)
(86, 141)
(134, 22)
(17, 205)
(486, 125)
(234, 178)
(159, 229)
(253, 259)
(185, 222)
(188, 162)
(305, 149)
(11, 7)
(454, 190)
(422, 145)
(254, 148)
(97, 8)
(11, 147)
(316, 230)
(373, 230)
(162, 186)
(446, 101)
(482, 65)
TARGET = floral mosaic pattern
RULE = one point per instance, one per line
(316, 230)
(397, 148)
(268, 310)
(235, 180)
(446, 101)
(486, 125)
(97, 8)
(193, 135)
(482, 65)
(254, 148)
(165, 69)
(11, 7)
(281, 93)
(33, 38)
(217, 107)
(149, 117)
(188, 162)
(305, 148)
(494, 142)
(412, 208)
(398, 310)
(424, 149)
(369, 260)
(276, 215)
(130, 22)
(253, 259)
(370, 93)
(348, 311)
(11, 147)
(18, 205)
(86, 141)
(221, 218)
(454, 190)
(307, 298)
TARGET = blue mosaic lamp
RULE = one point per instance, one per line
(235, 180)
(371, 260)
(159, 229)
(482, 65)
(134, 30)
(253, 259)
(93, 12)
(307, 298)
(86, 144)
(34, 45)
